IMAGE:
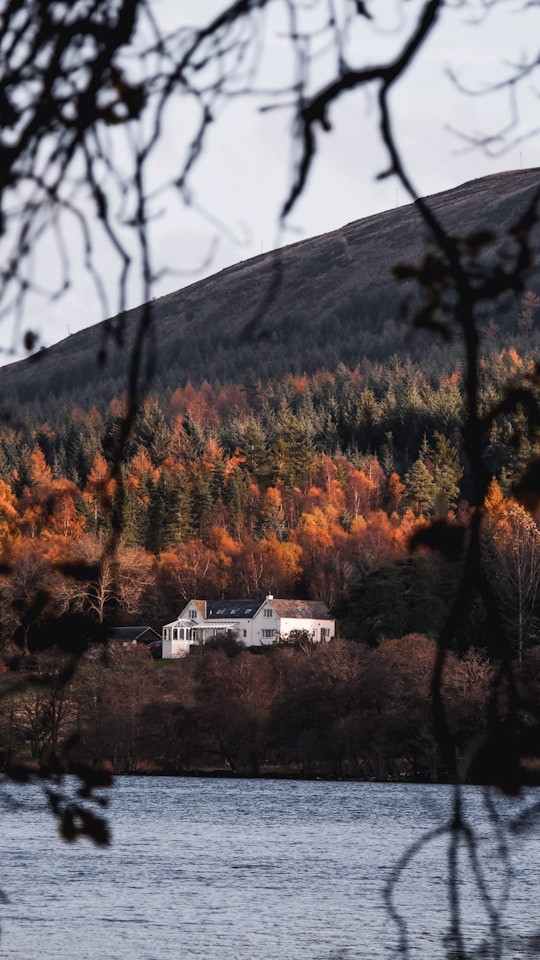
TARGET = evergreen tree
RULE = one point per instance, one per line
(134, 509)
(153, 432)
(447, 470)
(234, 496)
(194, 440)
(202, 502)
(420, 489)
(253, 444)
(271, 518)
(294, 451)
(80, 448)
(5, 466)
(169, 513)
(394, 601)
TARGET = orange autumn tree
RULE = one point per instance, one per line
(99, 492)
(324, 545)
(9, 516)
(63, 517)
(189, 571)
(378, 540)
(265, 566)
(49, 507)
(31, 589)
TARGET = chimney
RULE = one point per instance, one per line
(270, 596)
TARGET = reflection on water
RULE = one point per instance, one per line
(261, 870)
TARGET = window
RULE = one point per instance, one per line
(193, 614)
(245, 633)
(268, 634)
(325, 633)
(268, 612)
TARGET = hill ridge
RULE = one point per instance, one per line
(335, 295)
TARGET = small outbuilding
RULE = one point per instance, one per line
(133, 636)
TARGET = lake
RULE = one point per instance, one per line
(259, 870)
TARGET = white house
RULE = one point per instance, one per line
(253, 622)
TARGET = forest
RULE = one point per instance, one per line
(303, 487)
(326, 486)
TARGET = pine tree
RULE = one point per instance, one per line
(253, 446)
(202, 502)
(194, 440)
(153, 432)
(234, 496)
(169, 513)
(420, 488)
(447, 470)
(271, 517)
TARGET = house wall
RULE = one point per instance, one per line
(265, 626)
(268, 626)
(174, 636)
(174, 640)
(313, 627)
(245, 632)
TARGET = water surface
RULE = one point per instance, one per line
(261, 870)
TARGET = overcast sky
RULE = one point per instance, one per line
(241, 181)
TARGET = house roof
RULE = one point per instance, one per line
(200, 605)
(232, 609)
(301, 609)
(132, 634)
(227, 610)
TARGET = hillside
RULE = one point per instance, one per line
(308, 306)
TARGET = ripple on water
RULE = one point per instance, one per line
(253, 870)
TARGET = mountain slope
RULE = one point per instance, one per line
(305, 307)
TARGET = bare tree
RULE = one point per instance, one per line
(516, 539)
(109, 579)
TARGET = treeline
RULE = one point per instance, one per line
(333, 710)
(276, 428)
(308, 487)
